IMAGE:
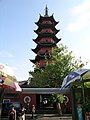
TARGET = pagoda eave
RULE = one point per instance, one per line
(33, 61)
(42, 18)
(46, 34)
(39, 29)
(34, 50)
(58, 40)
(40, 37)
(37, 59)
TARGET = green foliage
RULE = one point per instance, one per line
(61, 63)
(86, 106)
(57, 98)
(60, 98)
(87, 84)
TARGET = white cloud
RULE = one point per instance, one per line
(80, 15)
(83, 50)
(82, 8)
(6, 54)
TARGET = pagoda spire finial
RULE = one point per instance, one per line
(46, 12)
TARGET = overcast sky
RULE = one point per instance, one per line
(17, 25)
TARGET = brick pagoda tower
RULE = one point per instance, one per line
(46, 38)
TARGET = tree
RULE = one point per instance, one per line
(60, 64)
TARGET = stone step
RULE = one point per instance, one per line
(46, 111)
(50, 117)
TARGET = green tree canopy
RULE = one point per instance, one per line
(60, 64)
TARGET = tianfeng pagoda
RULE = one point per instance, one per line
(46, 38)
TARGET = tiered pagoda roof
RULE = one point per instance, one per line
(46, 36)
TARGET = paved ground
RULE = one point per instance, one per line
(47, 117)
(50, 117)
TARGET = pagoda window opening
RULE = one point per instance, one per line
(46, 51)
(45, 22)
(46, 31)
(46, 41)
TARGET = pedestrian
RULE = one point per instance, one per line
(28, 109)
(59, 108)
(79, 109)
(12, 114)
(79, 112)
(33, 109)
(22, 114)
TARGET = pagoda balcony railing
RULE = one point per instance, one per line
(46, 24)
(46, 42)
(46, 33)
(41, 53)
(47, 54)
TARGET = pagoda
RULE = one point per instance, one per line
(46, 38)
